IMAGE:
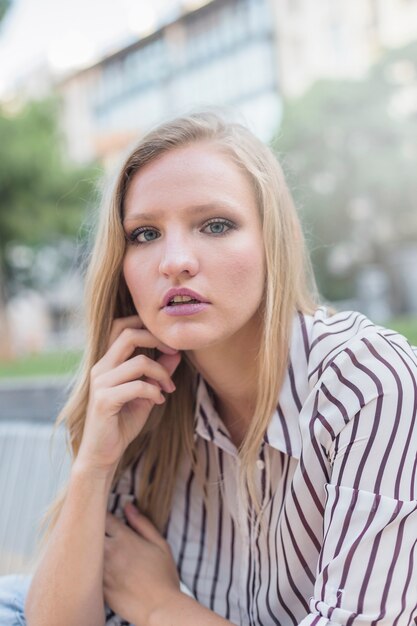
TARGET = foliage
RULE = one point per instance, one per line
(406, 326)
(42, 197)
(4, 7)
(353, 146)
(40, 365)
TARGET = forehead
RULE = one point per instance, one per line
(196, 174)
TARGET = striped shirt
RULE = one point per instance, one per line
(337, 475)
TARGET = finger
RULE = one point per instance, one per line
(120, 323)
(113, 524)
(135, 368)
(170, 362)
(170, 365)
(124, 346)
(113, 398)
(143, 525)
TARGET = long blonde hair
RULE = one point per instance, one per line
(289, 287)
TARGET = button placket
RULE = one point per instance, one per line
(260, 464)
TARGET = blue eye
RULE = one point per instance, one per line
(146, 234)
(134, 236)
(218, 226)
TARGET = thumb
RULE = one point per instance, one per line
(143, 525)
(170, 361)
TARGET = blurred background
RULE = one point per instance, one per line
(330, 84)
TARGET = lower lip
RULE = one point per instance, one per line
(185, 309)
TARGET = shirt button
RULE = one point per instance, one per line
(260, 464)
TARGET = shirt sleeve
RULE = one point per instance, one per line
(366, 403)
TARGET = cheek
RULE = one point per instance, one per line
(133, 280)
(245, 269)
(127, 273)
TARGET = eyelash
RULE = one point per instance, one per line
(132, 237)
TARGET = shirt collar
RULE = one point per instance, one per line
(283, 432)
(208, 423)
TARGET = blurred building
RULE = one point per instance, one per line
(245, 53)
(325, 39)
(222, 53)
(395, 21)
(335, 38)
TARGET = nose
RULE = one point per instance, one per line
(179, 256)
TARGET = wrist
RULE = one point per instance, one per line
(174, 605)
(84, 470)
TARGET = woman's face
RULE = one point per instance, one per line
(192, 222)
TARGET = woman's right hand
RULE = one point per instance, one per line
(123, 390)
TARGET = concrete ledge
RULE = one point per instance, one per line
(32, 399)
(33, 469)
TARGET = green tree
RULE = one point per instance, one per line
(42, 196)
(350, 149)
(4, 7)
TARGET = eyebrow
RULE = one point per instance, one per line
(199, 208)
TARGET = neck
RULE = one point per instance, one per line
(231, 371)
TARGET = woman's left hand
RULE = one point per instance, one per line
(140, 574)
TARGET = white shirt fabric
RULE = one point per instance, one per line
(337, 474)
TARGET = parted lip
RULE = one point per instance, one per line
(181, 291)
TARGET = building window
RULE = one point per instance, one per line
(293, 6)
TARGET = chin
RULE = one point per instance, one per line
(185, 340)
(189, 344)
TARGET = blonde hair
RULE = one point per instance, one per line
(289, 287)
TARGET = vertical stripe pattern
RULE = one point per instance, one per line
(336, 473)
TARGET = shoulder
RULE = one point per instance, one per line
(359, 371)
(350, 340)
(363, 387)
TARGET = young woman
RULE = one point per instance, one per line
(269, 446)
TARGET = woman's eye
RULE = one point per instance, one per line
(143, 235)
(219, 227)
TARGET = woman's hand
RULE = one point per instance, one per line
(140, 574)
(123, 390)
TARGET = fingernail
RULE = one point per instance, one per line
(131, 508)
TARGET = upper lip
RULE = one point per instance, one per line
(181, 291)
